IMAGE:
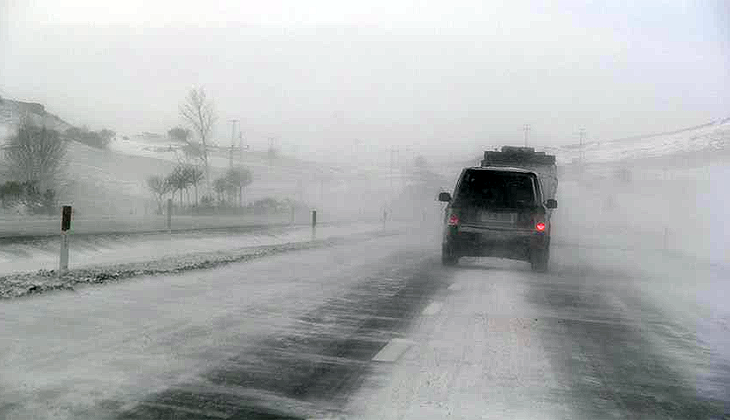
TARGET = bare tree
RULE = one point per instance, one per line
(178, 180)
(220, 186)
(238, 178)
(35, 154)
(159, 187)
(194, 175)
(197, 112)
(422, 171)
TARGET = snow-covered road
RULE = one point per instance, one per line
(377, 329)
(585, 341)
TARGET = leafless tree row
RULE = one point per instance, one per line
(198, 114)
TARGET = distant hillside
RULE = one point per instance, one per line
(111, 181)
(690, 147)
(711, 139)
(11, 111)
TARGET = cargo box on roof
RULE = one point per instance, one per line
(527, 158)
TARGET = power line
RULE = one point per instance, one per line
(241, 146)
(581, 153)
(392, 152)
(581, 139)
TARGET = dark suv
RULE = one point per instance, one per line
(497, 212)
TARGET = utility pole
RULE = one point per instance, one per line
(393, 151)
(241, 147)
(233, 139)
(526, 128)
(271, 153)
(405, 170)
(582, 134)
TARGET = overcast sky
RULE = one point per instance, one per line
(445, 73)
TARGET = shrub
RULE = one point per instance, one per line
(27, 194)
(99, 139)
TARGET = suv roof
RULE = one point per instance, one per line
(503, 169)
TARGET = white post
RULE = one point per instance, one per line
(65, 227)
(63, 265)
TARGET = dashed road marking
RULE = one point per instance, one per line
(432, 309)
(328, 418)
(207, 413)
(393, 350)
(455, 286)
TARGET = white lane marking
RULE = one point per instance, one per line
(455, 286)
(432, 309)
(328, 418)
(207, 413)
(393, 350)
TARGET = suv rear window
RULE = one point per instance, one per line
(496, 190)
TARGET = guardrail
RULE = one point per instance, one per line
(17, 228)
(21, 227)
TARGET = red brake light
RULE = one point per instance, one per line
(540, 227)
(453, 220)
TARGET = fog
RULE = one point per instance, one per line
(441, 78)
(299, 261)
(366, 88)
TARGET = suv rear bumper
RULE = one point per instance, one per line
(476, 241)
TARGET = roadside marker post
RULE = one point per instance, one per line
(314, 224)
(65, 227)
(169, 215)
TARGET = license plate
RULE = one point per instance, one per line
(498, 217)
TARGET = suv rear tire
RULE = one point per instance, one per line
(539, 260)
(448, 257)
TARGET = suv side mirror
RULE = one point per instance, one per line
(551, 203)
(444, 196)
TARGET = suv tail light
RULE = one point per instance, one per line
(540, 227)
(453, 220)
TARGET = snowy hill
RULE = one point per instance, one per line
(705, 139)
(113, 180)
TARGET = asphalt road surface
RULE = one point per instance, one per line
(378, 329)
